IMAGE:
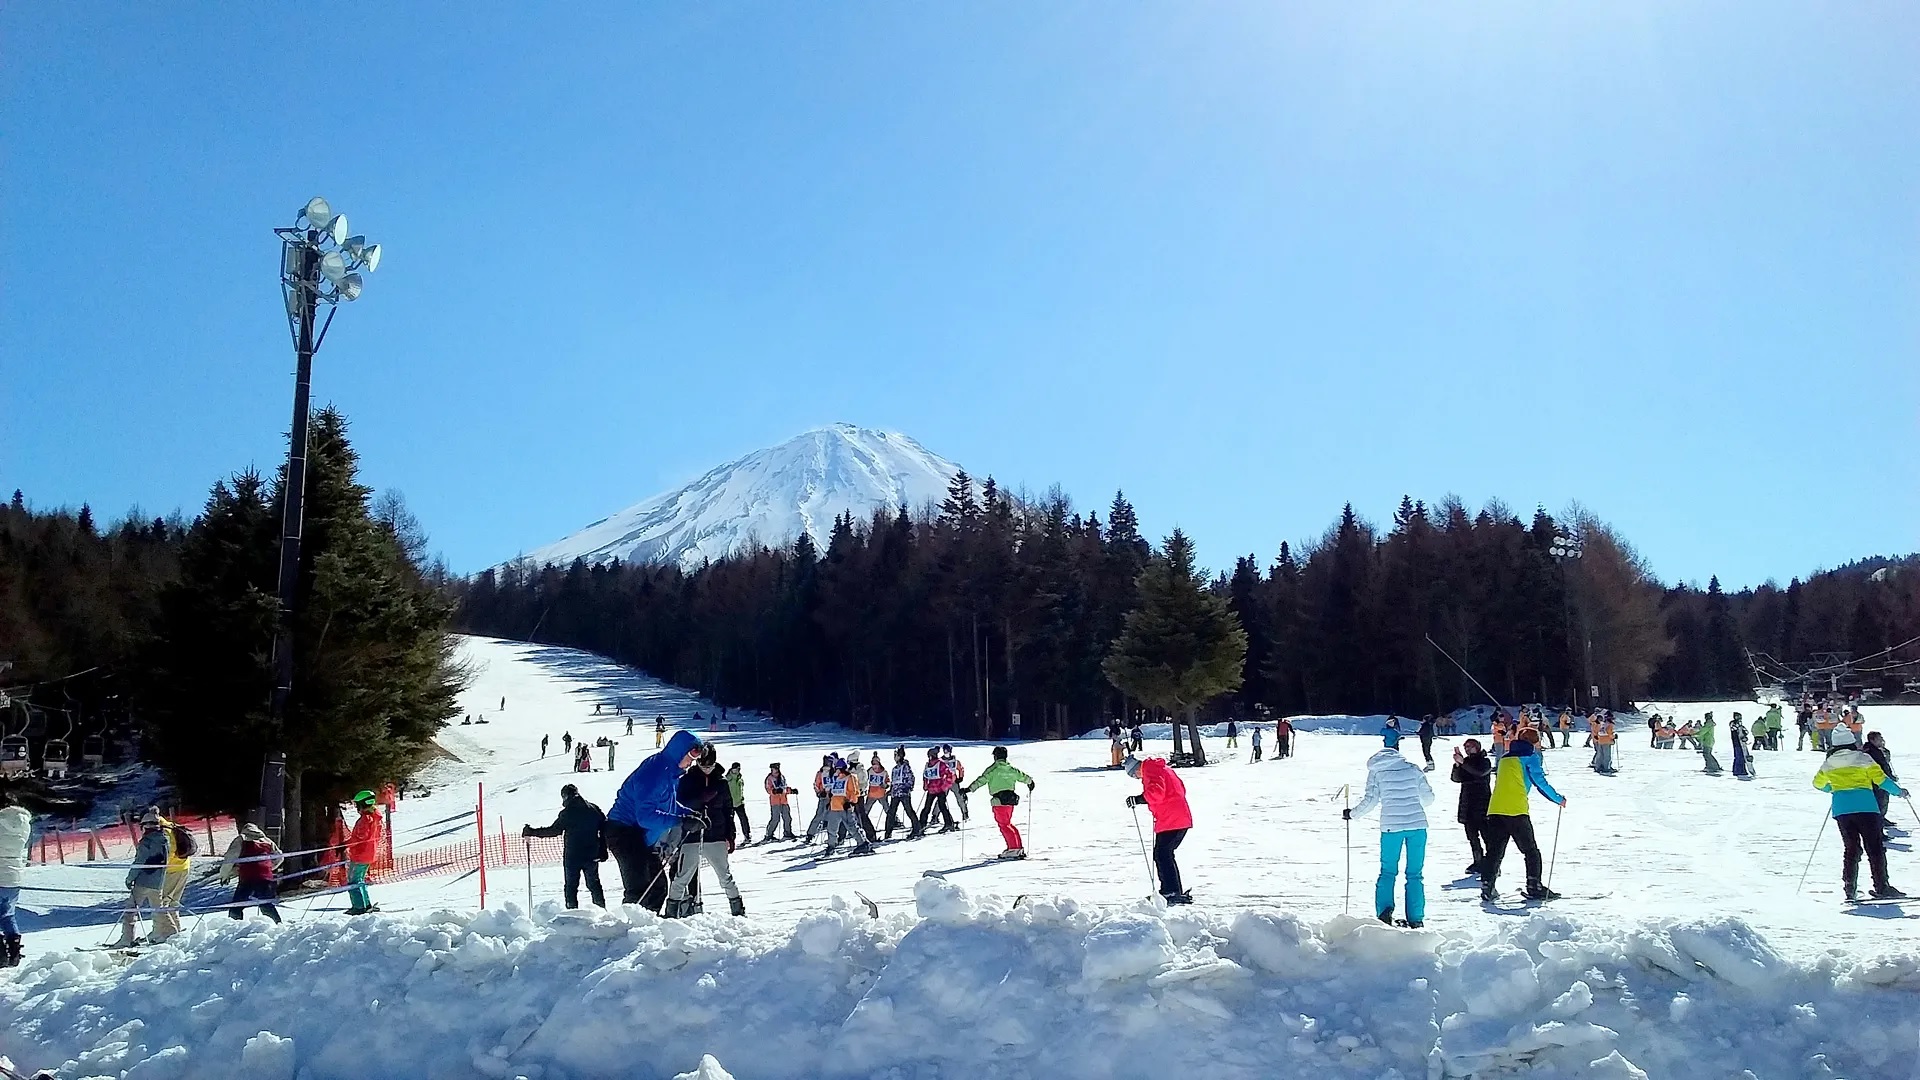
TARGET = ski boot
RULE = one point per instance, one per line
(1537, 891)
(677, 909)
(1013, 853)
(1488, 894)
(736, 906)
(1852, 892)
(1410, 924)
(1176, 899)
(1385, 916)
(1884, 892)
(10, 951)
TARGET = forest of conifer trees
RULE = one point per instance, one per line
(990, 605)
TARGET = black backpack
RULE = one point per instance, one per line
(183, 842)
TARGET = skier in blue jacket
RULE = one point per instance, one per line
(1400, 789)
(643, 826)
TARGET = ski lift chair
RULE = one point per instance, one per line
(53, 759)
(13, 756)
(93, 753)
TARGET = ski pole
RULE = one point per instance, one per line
(1346, 797)
(1555, 856)
(1029, 816)
(528, 843)
(1810, 854)
(1143, 849)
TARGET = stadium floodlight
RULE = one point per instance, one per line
(321, 263)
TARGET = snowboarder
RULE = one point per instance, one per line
(583, 848)
(843, 795)
(779, 814)
(659, 732)
(1704, 740)
(1257, 729)
(1508, 820)
(363, 847)
(999, 779)
(16, 828)
(566, 741)
(254, 860)
(959, 777)
(1848, 774)
(935, 779)
(737, 789)
(820, 798)
(708, 836)
(1233, 734)
(643, 827)
(1165, 797)
(1473, 771)
(543, 746)
(900, 783)
(1400, 789)
(1426, 739)
(1737, 735)
(144, 881)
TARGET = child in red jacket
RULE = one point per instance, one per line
(363, 846)
(1163, 793)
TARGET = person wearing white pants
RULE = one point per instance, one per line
(707, 836)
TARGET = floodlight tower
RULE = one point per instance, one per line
(1567, 549)
(320, 264)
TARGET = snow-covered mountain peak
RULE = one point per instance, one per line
(769, 496)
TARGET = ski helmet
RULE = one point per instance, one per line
(363, 798)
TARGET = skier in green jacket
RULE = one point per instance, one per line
(737, 787)
(1000, 779)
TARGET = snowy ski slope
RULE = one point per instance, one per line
(1681, 942)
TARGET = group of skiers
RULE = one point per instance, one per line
(1493, 808)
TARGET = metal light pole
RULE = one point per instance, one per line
(1568, 549)
(319, 264)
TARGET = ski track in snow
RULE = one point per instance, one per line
(1687, 946)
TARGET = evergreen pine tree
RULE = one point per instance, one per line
(1182, 645)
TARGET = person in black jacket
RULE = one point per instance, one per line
(707, 835)
(1473, 771)
(1876, 748)
(585, 846)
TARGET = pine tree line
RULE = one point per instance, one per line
(990, 605)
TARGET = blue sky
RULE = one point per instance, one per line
(1247, 261)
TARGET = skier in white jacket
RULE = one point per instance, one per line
(1399, 788)
(16, 825)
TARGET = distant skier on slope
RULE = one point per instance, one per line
(1604, 739)
(999, 780)
(1233, 734)
(1509, 820)
(1165, 796)
(566, 741)
(959, 771)
(843, 797)
(737, 789)
(900, 783)
(820, 798)
(1473, 771)
(1282, 738)
(1850, 776)
(936, 779)
(543, 745)
(1400, 789)
(1737, 737)
(1426, 739)
(629, 725)
(363, 847)
(1257, 729)
(1704, 740)
(644, 825)
(659, 731)
(779, 814)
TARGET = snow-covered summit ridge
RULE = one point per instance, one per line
(769, 496)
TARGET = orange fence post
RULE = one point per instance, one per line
(480, 823)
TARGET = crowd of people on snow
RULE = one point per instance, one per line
(679, 810)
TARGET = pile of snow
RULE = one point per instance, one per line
(961, 983)
(769, 496)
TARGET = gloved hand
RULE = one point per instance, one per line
(1347, 814)
(1029, 787)
(1135, 801)
(729, 847)
(526, 830)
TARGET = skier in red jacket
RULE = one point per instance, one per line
(363, 846)
(1163, 793)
